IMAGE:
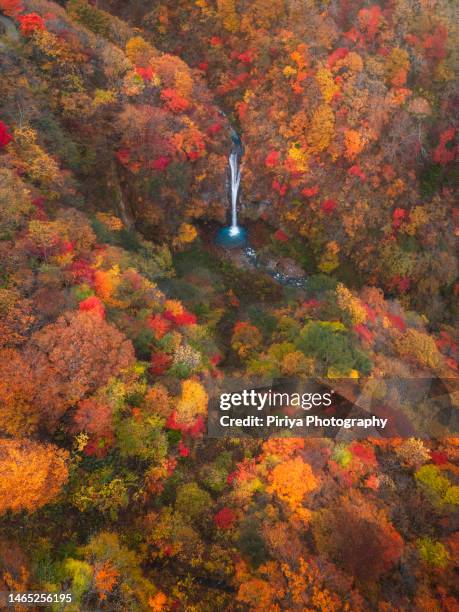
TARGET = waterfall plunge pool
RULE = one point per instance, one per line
(231, 237)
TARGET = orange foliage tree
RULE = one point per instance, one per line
(18, 414)
(32, 474)
(291, 480)
(73, 357)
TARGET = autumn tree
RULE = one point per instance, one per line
(111, 572)
(32, 474)
(18, 414)
(14, 567)
(73, 357)
(246, 338)
(291, 480)
(376, 545)
(192, 402)
(15, 202)
(16, 315)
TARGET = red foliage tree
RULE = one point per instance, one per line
(30, 23)
(225, 518)
(93, 304)
(11, 8)
(5, 136)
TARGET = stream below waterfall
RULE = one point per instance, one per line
(282, 278)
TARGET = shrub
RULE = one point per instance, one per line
(89, 16)
(433, 553)
(192, 501)
(332, 345)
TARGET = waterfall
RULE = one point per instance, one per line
(235, 184)
(233, 236)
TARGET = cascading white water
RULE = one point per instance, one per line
(233, 236)
(235, 184)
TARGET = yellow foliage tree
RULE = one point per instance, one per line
(262, 14)
(329, 260)
(186, 234)
(14, 202)
(139, 51)
(37, 163)
(328, 87)
(397, 66)
(192, 402)
(322, 128)
(418, 218)
(228, 15)
(419, 345)
(352, 305)
(45, 234)
(111, 222)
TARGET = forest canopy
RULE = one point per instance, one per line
(121, 320)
